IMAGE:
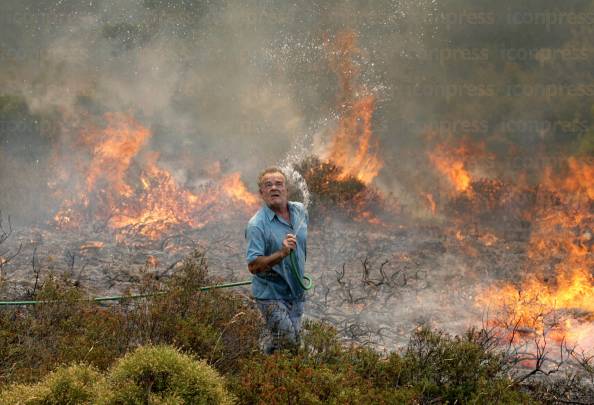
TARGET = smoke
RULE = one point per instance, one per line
(238, 82)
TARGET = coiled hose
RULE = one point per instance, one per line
(306, 277)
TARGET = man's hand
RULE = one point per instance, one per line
(289, 244)
(264, 263)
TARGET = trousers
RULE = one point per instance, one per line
(283, 323)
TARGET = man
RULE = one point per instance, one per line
(277, 229)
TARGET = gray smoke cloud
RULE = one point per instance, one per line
(238, 82)
(247, 83)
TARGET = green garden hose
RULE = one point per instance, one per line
(125, 297)
(293, 266)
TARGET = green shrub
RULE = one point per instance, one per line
(284, 378)
(35, 340)
(321, 344)
(324, 371)
(455, 369)
(218, 326)
(77, 384)
(163, 375)
(434, 368)
(222, 328)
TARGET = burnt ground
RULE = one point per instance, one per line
(375, 283)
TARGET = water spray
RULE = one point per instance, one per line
(295, 178)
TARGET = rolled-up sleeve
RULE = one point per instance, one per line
(255, 243)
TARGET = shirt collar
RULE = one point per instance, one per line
(271, 214)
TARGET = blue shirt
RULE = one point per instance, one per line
(265, 233)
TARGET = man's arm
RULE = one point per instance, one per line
(263, 263)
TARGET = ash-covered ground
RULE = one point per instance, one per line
(375, 283)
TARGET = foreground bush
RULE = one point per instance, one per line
(77, 384)
(435, 368)
(218, 326)
(149, 375)
(283, 378)
(222, 328)
(35, 340)
(457, 369)
(163, 375)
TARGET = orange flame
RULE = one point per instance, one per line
(235, 189)
(563, 308)
(449, 161)
(528, 303)
(145, 201)
(488, 239)
(431, 202)
(112, 152)
(352, 145)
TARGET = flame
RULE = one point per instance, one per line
(112, 152)
(352, 145)
(368, 217)
(562, 307)
(449, 161)
(431, 202)
(159, 204)
(125, 187)
(488, 239)
(528, 303)
(152, 262)
(581, 178)
(94, 244)
(235, 189)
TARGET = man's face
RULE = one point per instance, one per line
(274, 190)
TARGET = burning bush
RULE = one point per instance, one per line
(112, 180)
(330, 189)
